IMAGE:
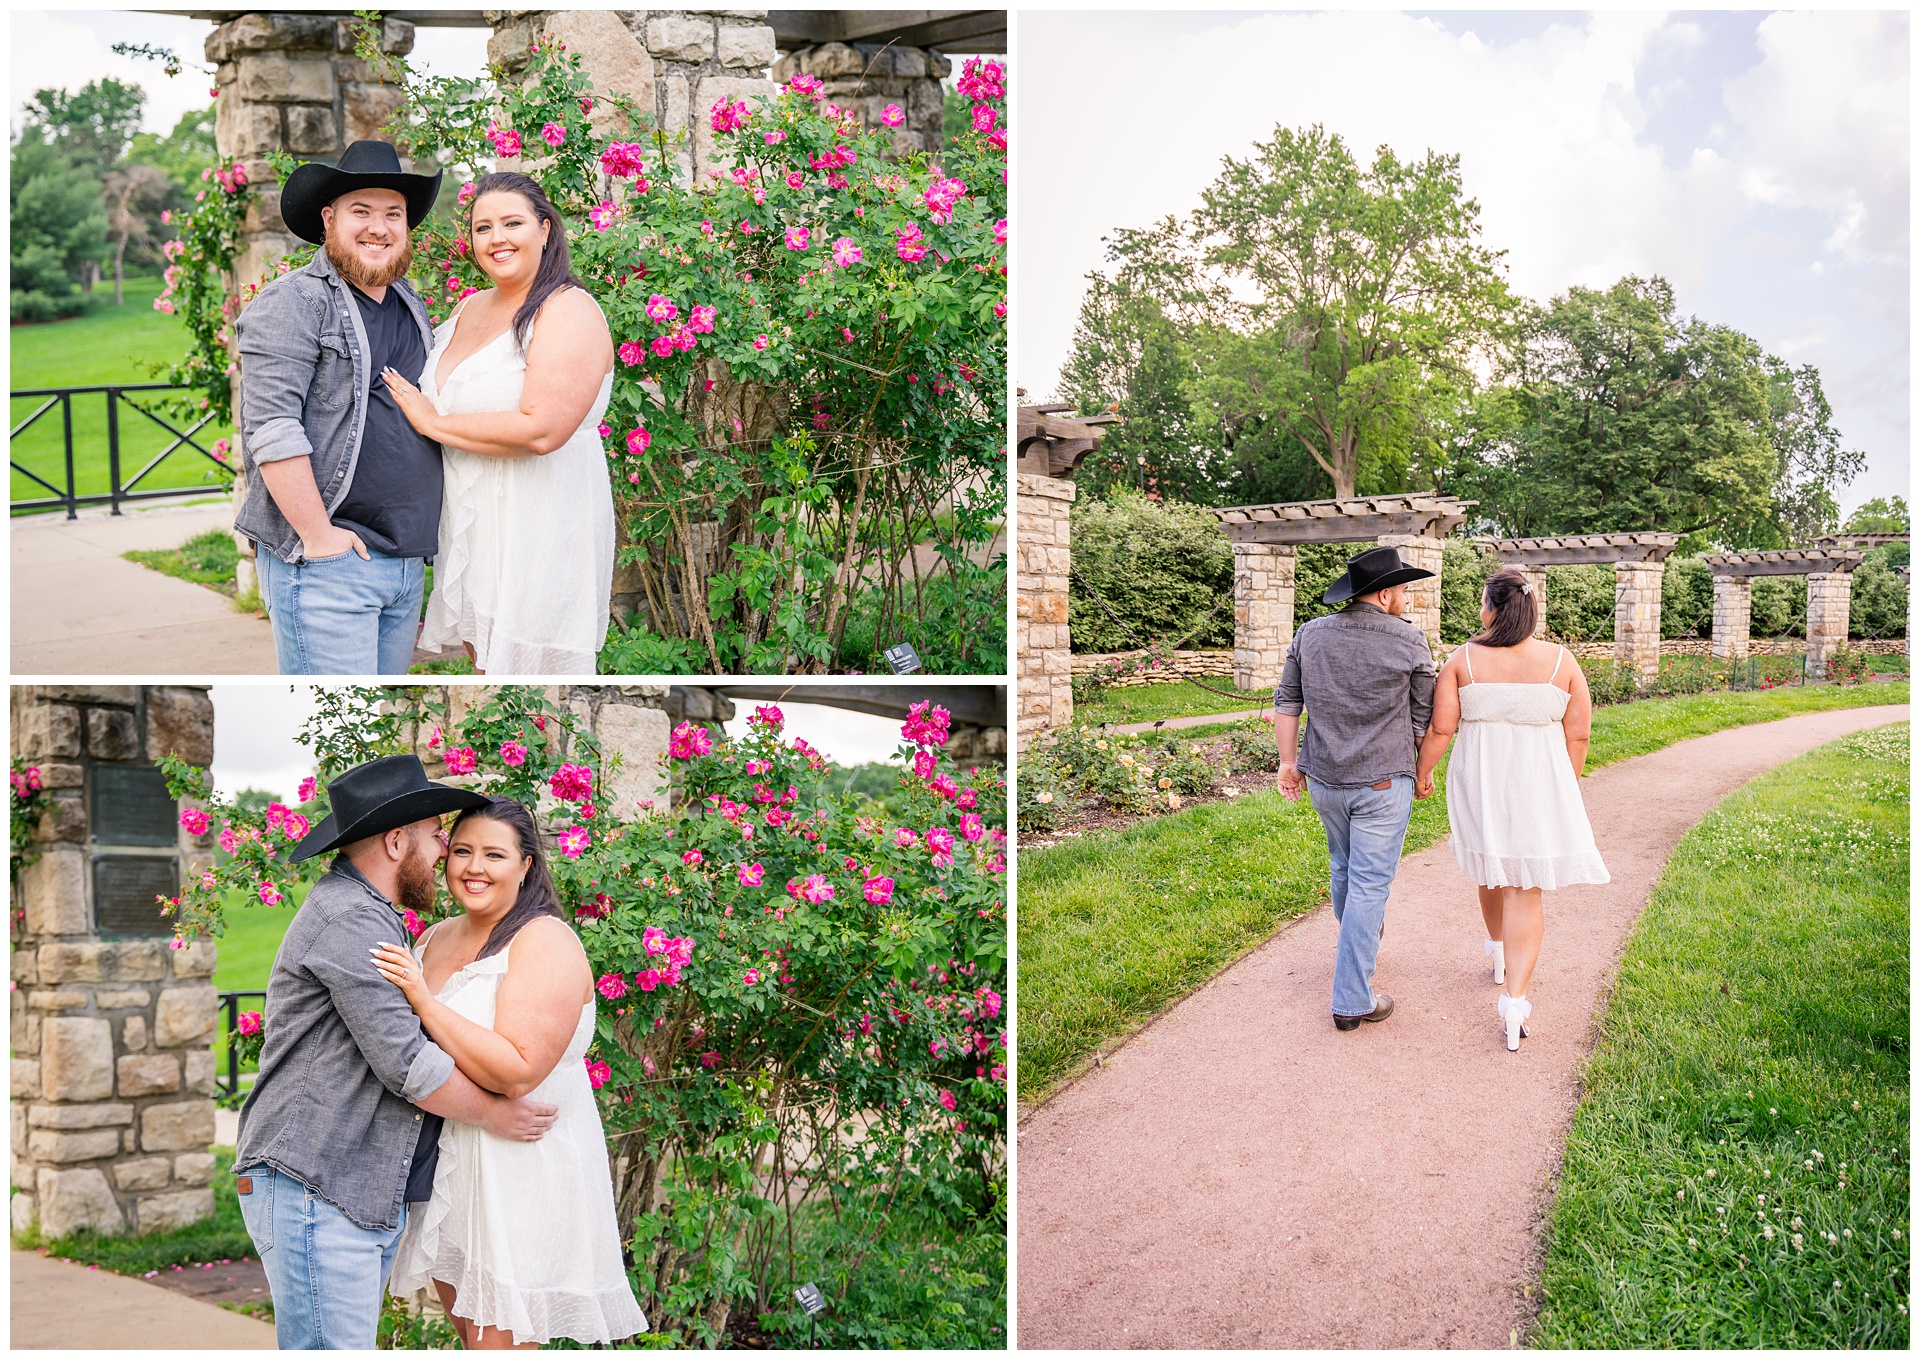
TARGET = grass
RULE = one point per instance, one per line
(220, 1238)
(1179, 699)
(206, 560)
(1737, 1173)
(247, 950)
(1116, 925)
(107, 345)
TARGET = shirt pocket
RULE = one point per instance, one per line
(333, 376)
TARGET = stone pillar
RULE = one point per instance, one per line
(1732, 616)
(1262, 613)
(1829, 601)
(111, 1095)
(678, 63)
(866, 77)
(1537, 578)
(1636, 618)
(1423, 597)
(1041, 634)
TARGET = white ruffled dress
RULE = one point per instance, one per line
(1513, 800)
(525, 566)
(525, 1232)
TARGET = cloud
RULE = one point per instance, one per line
(66, 50)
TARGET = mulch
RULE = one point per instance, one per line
(1088, 813)
(219, 1282)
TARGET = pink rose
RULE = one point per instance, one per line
(971, 827)
(513, 753)
(797, 238)
(308, 788)
(195, 821)
(572, 783)
(879, 891)
(630, 355)
(553, 134)
(247, 1022)
(760, 341)
(598, 1074)
(270, 895)
(692, 857)
(574, 841)
(461, 760)
(752, 977)
(752, 875)
(845, 252)
(947, 1102)
(612, 986)
(892, 116)
(294, 827)
(637, 441)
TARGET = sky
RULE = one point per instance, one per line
(1759, 162)
(255, 729)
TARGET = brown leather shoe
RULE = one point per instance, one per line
(1382, 1008)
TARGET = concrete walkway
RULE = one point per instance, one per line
(57, 1306)
(1241, 1174)
(1198, 720)
(80, 608)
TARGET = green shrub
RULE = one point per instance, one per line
(1779, 606)
(1464, 570)
(1162, 566)
(1251, 746)
(1184, 768)
(1038, 792)
(1686, 599)
(1580, 603)
(1879, 606)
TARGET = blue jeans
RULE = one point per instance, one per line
(342, 616)
(326, 1272)
(1365, 830)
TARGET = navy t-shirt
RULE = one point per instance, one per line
(394, 502)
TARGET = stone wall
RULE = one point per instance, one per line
(1262, 612)
(1205, 663)
(1042, 636)
(1829, 601)
(678, 63)
(1732, 616)
(864, 78)
(111, 1098)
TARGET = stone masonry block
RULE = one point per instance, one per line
(46, 999)
(679, 37)
(78, 1198)
(611, 53)
(201, 1071)
(121, 999)
(746, 45)
(76, 1059)
(24, 966)
(144, 1173)
(24, 1079)
(368, 107)
(147, 1074)
(49, 730)
(265, 32)
(185, 1127)
(311, 129)
(162, 1213)
(275, 79)
(112, 734)
(119, 961)
(133, 1034)
(184, 1015)
(180, 718)
(51, 1145)
(195, 959)
(193, 1168)
(65, 818)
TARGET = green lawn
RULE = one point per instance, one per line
(246, 957)
(1114, 925)
(1181, 699)
(1737, 1172)
(103, 346)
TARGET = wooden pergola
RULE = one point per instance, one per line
(1859, 540)
(1358, 520)
(1053, 444)
(1638, 560)
(1829, 572)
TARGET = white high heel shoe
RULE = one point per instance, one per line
(1515, 1010)
(1497, 951)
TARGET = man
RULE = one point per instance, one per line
(341, 1130)
(342, 496)
(1365, 675)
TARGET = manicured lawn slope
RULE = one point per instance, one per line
(1150, 703)
(1114, 925)
(1737, 1173)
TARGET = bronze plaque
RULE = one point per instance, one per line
(125, 888)
(131, 806)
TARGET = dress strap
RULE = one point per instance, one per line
(1466, 649)
(1556, 666)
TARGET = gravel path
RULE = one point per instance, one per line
(1241, 1174)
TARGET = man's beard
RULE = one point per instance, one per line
(357, 274)
(418, 887)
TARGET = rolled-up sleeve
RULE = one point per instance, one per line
(1288, 696)
(278, 354)
(383, 1026)
(1420, 688)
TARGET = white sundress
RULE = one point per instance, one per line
(1513, 801)
(525, 1232)
(525, 566)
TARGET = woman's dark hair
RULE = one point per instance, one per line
(556, 264)
(537, 897)
(1514, 609)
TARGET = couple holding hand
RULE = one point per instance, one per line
(1381, 720)
(372, 443)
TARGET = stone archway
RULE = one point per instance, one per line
(1638, 560)
(111, 1103)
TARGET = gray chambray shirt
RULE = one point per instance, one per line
(344, 1057)
(1365, 679)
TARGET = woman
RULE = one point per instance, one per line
(519, 1240)
(1513, 794)
(514, 389)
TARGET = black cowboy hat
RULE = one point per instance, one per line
(1374, 569)
(366, 165)
(378, 796)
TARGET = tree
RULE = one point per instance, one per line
(1881, 515)
(1626, 416)
(1348, 306)
(59, 228)
(135, 196)
(92, 126)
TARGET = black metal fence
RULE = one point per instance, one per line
(230, 1009)
(120, 487)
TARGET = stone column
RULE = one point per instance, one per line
(1262, 613)
(112, 1098)
(1537, 578)
(1829, 601)
(678, 63)
(866, 77)
(1732, 616)
(1636, 618)
(1423, 597)
(1041, 633)
(290, 82)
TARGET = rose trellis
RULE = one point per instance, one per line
(803, 991)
